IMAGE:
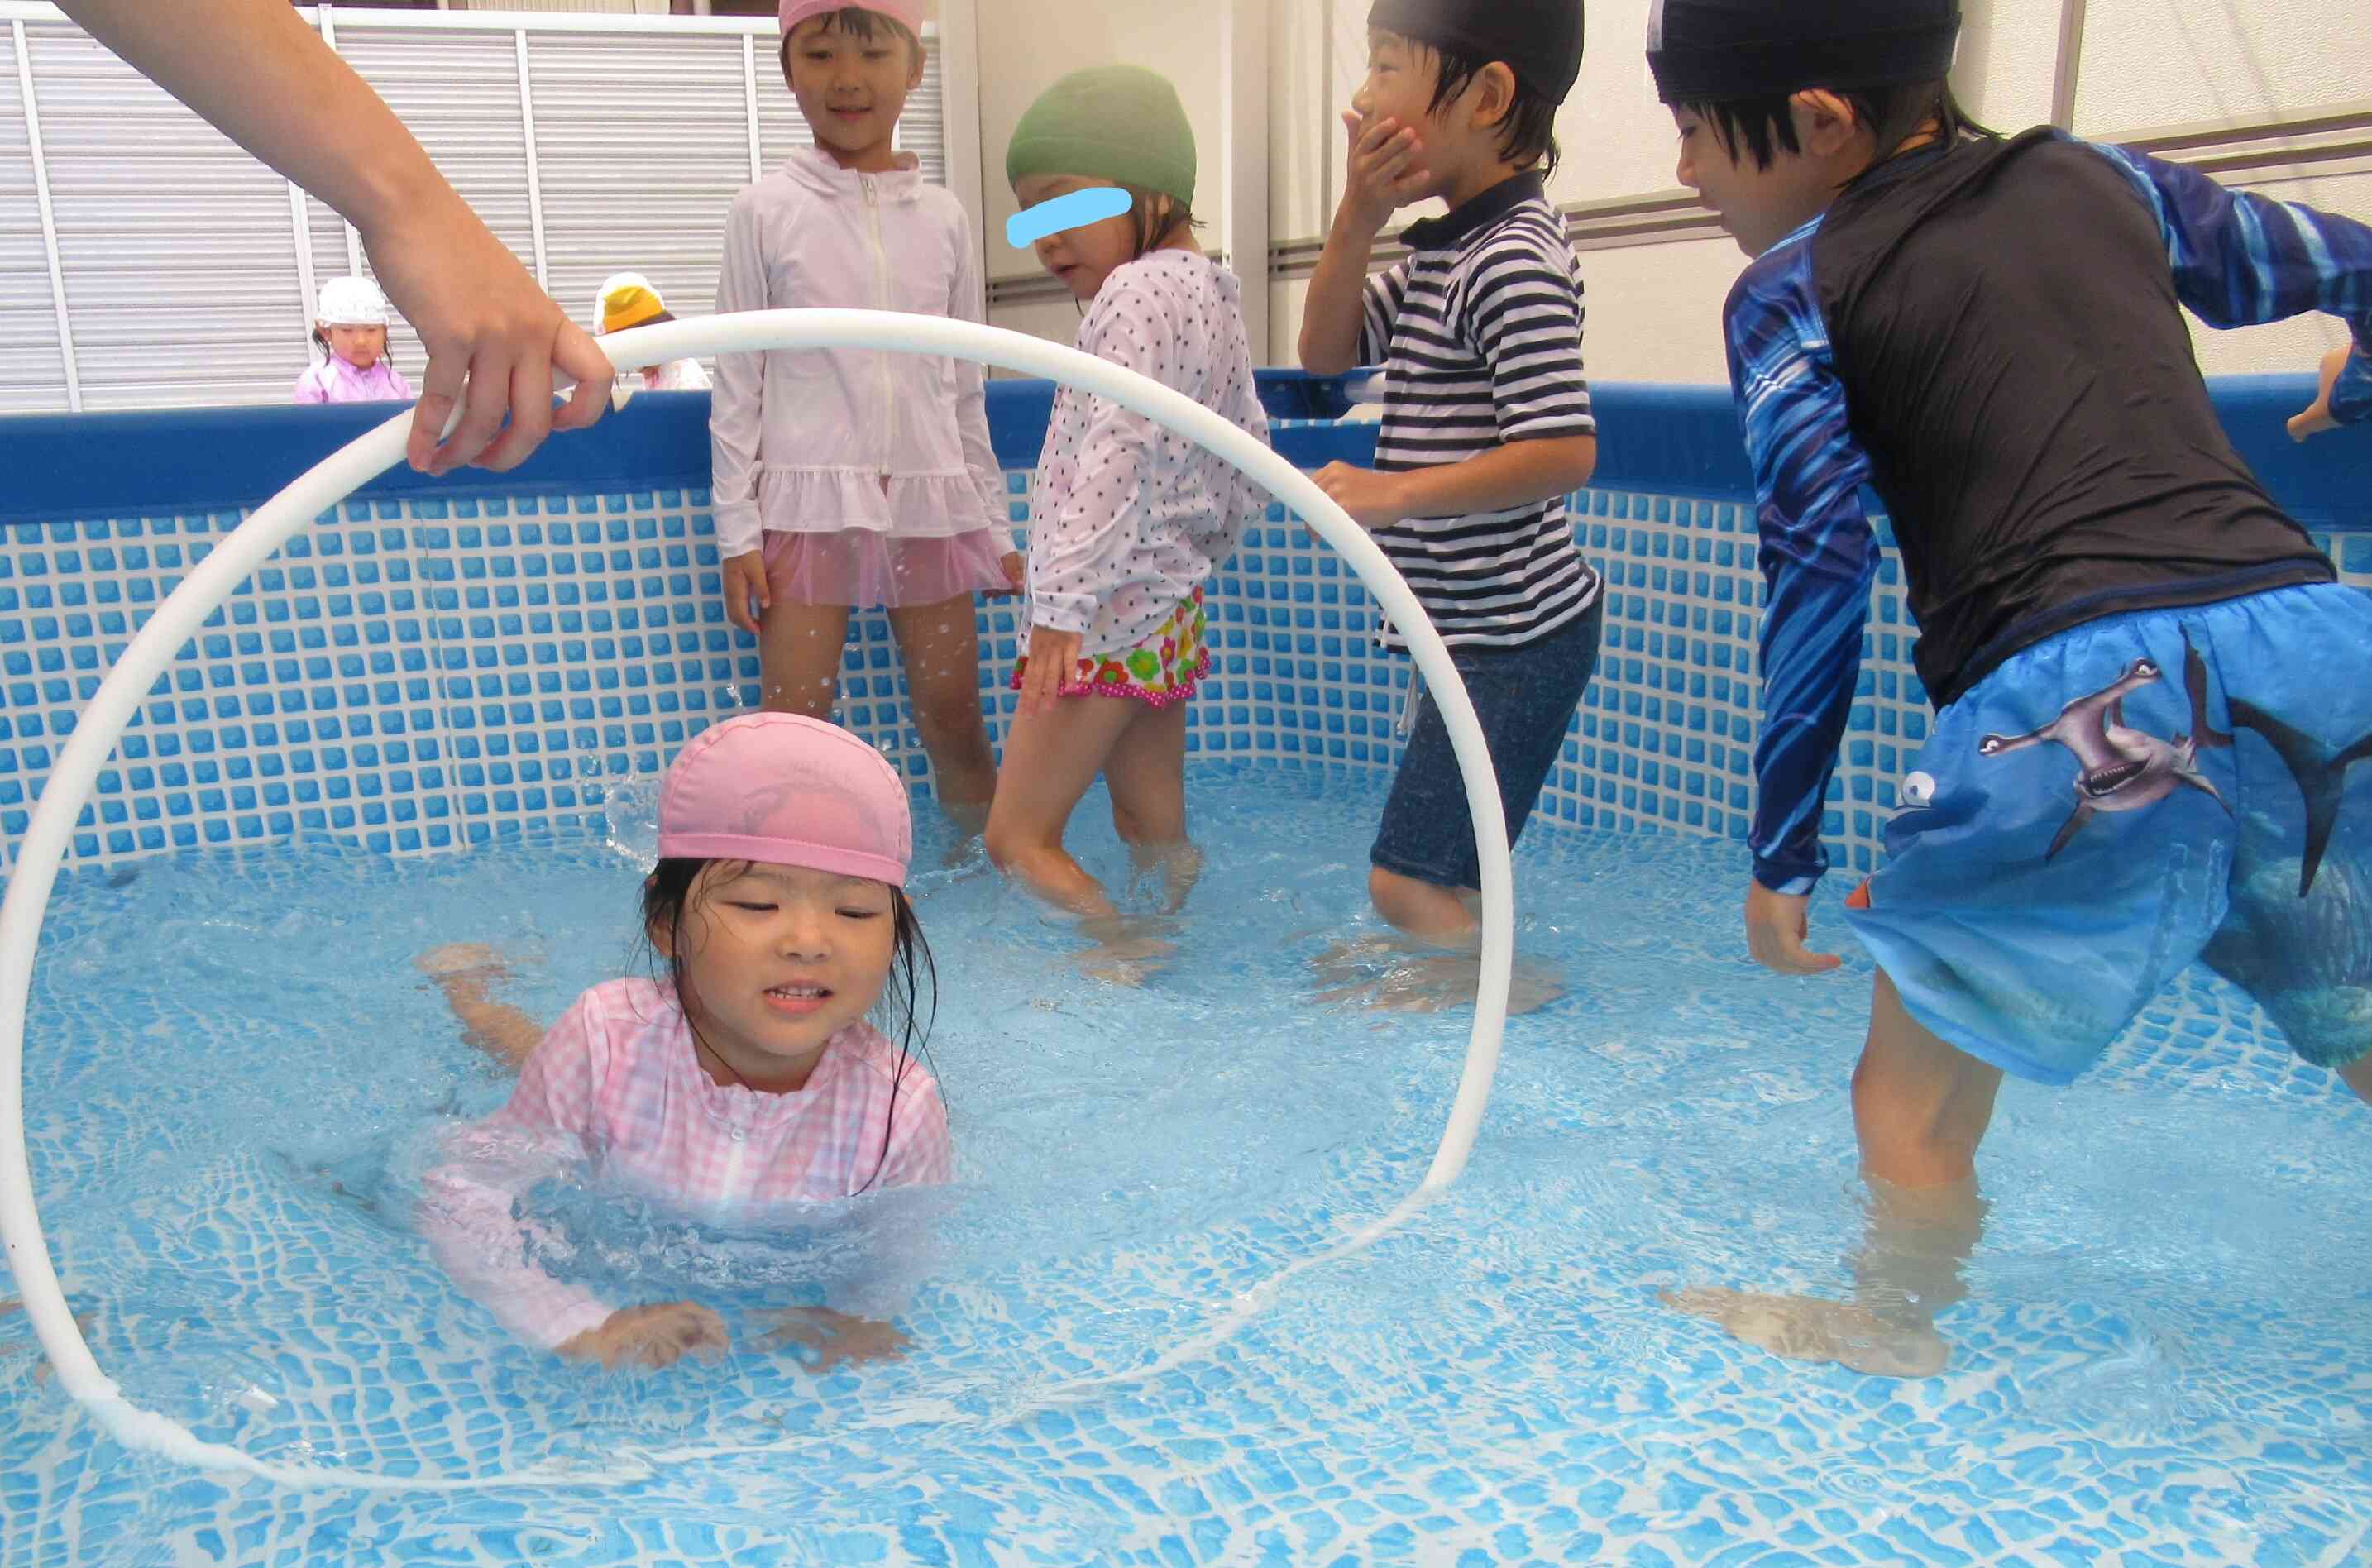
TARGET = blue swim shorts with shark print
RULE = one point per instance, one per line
(2133, 794)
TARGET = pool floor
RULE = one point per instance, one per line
(234, 1075)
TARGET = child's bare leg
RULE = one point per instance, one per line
(1050, 758)
(466, 972)
(2357, 1075)
(1426, 910)
(1921, 1107)
(940, 644)
(799, 649)
(1146, 775)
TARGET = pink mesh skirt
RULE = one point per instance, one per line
(866, 569)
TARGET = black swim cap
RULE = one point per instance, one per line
(1721, 50)
(1540, 40)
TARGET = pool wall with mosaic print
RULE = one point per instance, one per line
(441, 663)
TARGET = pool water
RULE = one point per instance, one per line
(234, 1075)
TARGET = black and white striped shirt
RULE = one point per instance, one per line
(1480, 331)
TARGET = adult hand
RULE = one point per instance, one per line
(1052, 656)
(1776, 926)
(745, 582)
(1375, 499)
(494, 338)
(654, 1336)
(2316, 417)
(1383, 174)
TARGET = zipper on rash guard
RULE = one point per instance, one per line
(882, 302)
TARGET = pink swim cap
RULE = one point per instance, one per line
(907, 12)
(788, 790)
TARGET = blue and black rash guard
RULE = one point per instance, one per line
(1989, 336)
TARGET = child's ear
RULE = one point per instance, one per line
(1825, 123)
(1494, 91)
(662, 939)
(914, 77)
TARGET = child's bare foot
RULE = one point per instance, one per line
(459, 957)
(1804, 1327)
(1128, 950)
(1392, 974)
(659, 1335)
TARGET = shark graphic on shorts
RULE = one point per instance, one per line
(2123, 769)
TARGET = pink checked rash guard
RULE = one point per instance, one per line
(617, 1082)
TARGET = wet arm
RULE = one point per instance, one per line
(2243, 260)
(1819, 555)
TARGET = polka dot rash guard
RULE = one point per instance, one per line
(1128, 520)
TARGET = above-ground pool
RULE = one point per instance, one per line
(412, 730)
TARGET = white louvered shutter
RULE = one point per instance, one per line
(641, 141)
(181, 274)
(32, 367)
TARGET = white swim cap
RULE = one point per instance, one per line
(353, 302)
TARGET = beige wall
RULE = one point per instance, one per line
(1655, 308)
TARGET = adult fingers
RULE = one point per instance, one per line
(440, 390)
(530, 414)
(577, 356)
(485, 402)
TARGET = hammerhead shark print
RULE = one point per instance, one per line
(2123, 769)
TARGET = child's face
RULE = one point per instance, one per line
(852, 90)
(1760, 208)
(1081, 256)
(358, 346)
(779, 958)
(1454, 151)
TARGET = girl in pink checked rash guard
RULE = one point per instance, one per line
(750, 1078)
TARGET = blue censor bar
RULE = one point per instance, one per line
(1077, 210)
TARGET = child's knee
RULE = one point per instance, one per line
(950, 714)
(1142, 826)
(1420, 908)
(1012, 847)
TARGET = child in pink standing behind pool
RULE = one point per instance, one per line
(857, 477)
(750, 1077)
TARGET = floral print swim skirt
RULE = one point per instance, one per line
(1165, 668)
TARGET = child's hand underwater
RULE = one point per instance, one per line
(654, 1336)
(833, 1336)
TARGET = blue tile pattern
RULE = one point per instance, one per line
(418, 677)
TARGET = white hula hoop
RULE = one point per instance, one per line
(329, 482)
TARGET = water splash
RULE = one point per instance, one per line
(630, 818)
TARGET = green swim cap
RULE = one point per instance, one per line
(1115, 123)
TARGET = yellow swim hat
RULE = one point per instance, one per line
(627, 300)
